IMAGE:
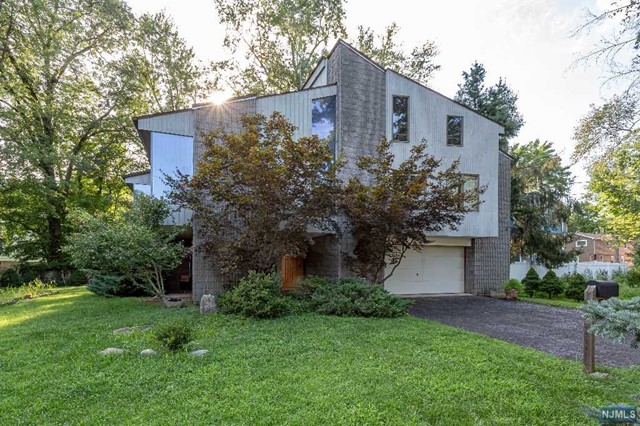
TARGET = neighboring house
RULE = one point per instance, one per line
(600, 248)
(7, 263)
(358, 102)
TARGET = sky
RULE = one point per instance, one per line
(527, 42)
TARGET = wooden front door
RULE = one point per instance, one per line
(292, 270)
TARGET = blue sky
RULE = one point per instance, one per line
(526, 41)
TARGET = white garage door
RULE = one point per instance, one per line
(435, 269)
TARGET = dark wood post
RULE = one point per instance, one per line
(589, 338)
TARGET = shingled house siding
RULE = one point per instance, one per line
(487, 260)
(207, 279)
(360, 119)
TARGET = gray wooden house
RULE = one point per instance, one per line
(367, 103)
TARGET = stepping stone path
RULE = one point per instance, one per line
(199, 352)
(148, 352)
(112, 351)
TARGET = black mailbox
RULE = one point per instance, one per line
(606, 289)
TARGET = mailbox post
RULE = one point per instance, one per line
(589, 339)
(596, 290)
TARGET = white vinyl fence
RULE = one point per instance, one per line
(591, 270)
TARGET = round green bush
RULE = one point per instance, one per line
(357, 297)
(575, 284)
(551, 284)
(174, 337)
(257, 295)
(531, 282)
(513, 284)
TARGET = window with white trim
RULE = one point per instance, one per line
(400, 119)
(455, 125)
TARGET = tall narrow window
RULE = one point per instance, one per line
(323, 120)
(471, 186)
(454, 130)
(400, 124)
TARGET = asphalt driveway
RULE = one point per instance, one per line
(557, 331)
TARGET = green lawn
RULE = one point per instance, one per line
(298, 370)
(561, 302)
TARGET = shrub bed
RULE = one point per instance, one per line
(257, 295)
(352, 297)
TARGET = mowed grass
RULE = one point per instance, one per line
(298, 370)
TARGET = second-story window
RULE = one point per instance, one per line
(323, 120)
(400, 120)
(471, 186)
(454, 130)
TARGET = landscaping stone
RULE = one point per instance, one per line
(599, 375)
(208, 304)
(199, 352)
(148, 352)
(112, 351)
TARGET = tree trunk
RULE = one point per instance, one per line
(56, 239)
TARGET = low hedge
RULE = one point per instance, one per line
(259, 295)
(352, 297)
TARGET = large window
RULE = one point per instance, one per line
(400, 124)
(454, 130)
(471, 186)
(323, 120)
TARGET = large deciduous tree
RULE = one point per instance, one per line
(614, 186)
(387, 51)
(618, 50)
(584, 217)
(72, 73)
(498, 102)
(606, 128)
(281, 42)
(169, 75)
(607, 137)
(257, 192)
(539, 204)
(61, 93)
(391, 209)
